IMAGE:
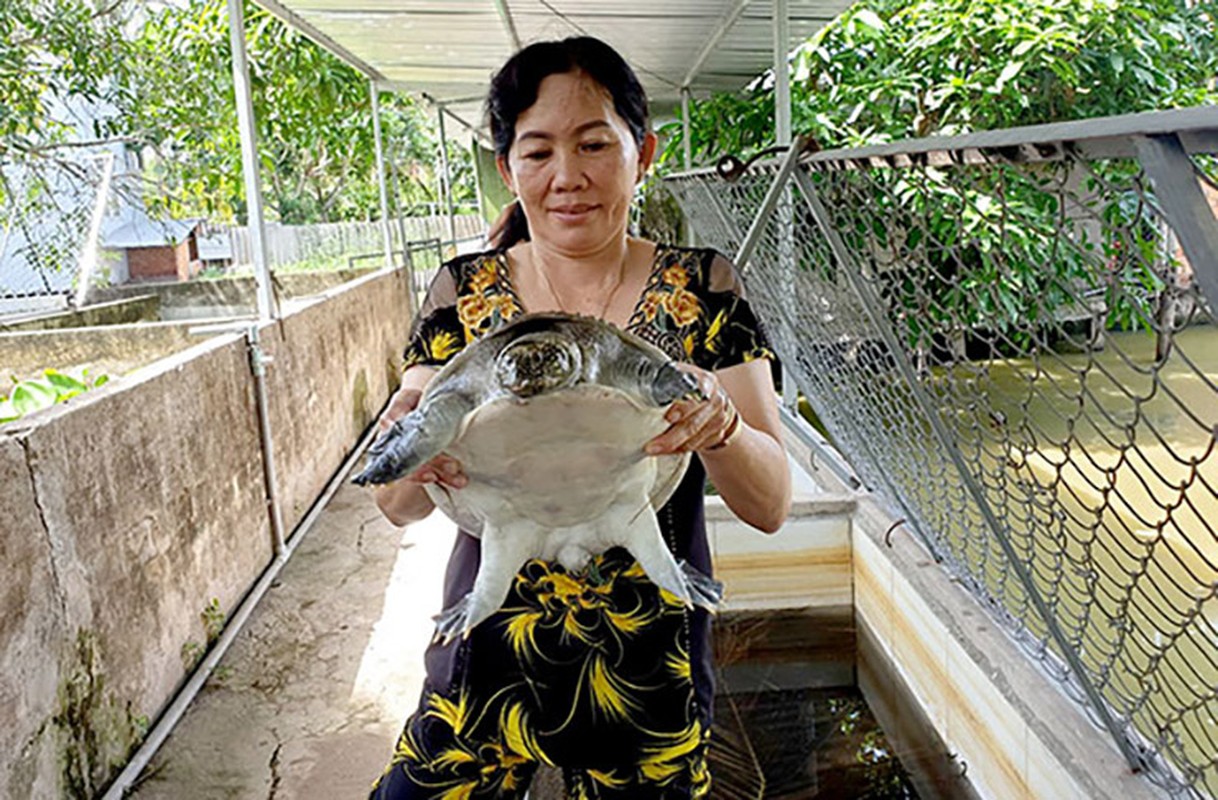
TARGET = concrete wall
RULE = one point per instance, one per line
(126, 511)
(109, 349)
(143, 308)
(231, 292)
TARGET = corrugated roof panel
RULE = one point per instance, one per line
(449, 48)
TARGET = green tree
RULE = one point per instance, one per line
(892, 69)
(313, 114)
(54, 53)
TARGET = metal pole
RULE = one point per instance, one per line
(268, 308)
(88, 254)
(782, 136)
(1184, 206)
(446, 179)
(687, 154)
(687, 149)
(386, 231)
(782, 78)
(478, 179)
(258, 361)
(925, 404)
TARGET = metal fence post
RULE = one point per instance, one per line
(268, 307)
(1184, 206)
(873, 309)
(386, 231)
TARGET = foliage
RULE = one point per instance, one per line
(54, 387)
(893, 69)
(983, 247)
(55, 53)
(313, 114)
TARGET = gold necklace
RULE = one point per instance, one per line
(617, 284)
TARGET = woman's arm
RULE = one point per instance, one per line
(404, 501)
(750, 470)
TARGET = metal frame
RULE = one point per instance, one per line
(509, 25)
(268, 306)
(378, 141)
(711, 43)
(88, 254)
(1184, 206)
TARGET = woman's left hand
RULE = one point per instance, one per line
(696, 425)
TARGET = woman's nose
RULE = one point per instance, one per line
(568, 171)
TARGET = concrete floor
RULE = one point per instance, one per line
(310, 698)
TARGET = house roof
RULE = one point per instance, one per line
(144, 232)
(448, 49)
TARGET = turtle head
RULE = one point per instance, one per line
(537, 363)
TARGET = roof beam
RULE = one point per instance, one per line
(293, 20)
(442, 107)
(509, 24)
(713, 41)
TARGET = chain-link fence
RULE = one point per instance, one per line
(50, 215)
(1012, 336)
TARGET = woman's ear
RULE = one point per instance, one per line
(647, 154)
(505, 173)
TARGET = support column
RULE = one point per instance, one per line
(782, 136)
(782, 76)
(386, 231)
(446, 178)
(687, 148)
(687, 157)
(268, 308)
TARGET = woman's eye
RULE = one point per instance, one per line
(593, 147)
(536, 155)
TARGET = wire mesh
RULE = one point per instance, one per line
(1017, 353)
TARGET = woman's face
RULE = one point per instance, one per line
(574, 165)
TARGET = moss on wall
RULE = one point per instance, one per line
(98, 731)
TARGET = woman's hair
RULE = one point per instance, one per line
(514, 90)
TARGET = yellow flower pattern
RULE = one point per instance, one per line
(677, 310)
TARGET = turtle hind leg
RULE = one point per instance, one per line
(642, 537)
(704, 590)
(504, 551)
(414, 439)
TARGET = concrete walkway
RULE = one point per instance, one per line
(310, 698)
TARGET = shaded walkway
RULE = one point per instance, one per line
(311, 696)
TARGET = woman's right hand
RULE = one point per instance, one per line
(443, 469)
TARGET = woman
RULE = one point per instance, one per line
(598, 672)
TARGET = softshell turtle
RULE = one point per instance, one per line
(548, 416)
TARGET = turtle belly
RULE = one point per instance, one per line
(557, 460)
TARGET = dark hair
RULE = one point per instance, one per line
(514, 90)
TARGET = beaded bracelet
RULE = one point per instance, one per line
(729, 433)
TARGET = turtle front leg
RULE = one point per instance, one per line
(651, 378)
(415, 439)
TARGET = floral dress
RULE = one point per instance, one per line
(600, 671)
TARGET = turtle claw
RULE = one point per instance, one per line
(703, 590)
(462, 617)
(454, 621)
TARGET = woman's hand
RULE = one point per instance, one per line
(442, 469)
(698, 425)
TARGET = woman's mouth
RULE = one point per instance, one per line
(575, 212)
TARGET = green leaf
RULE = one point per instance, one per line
(30, 396)
(870, 19)
(65, 385)
(7, 412)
